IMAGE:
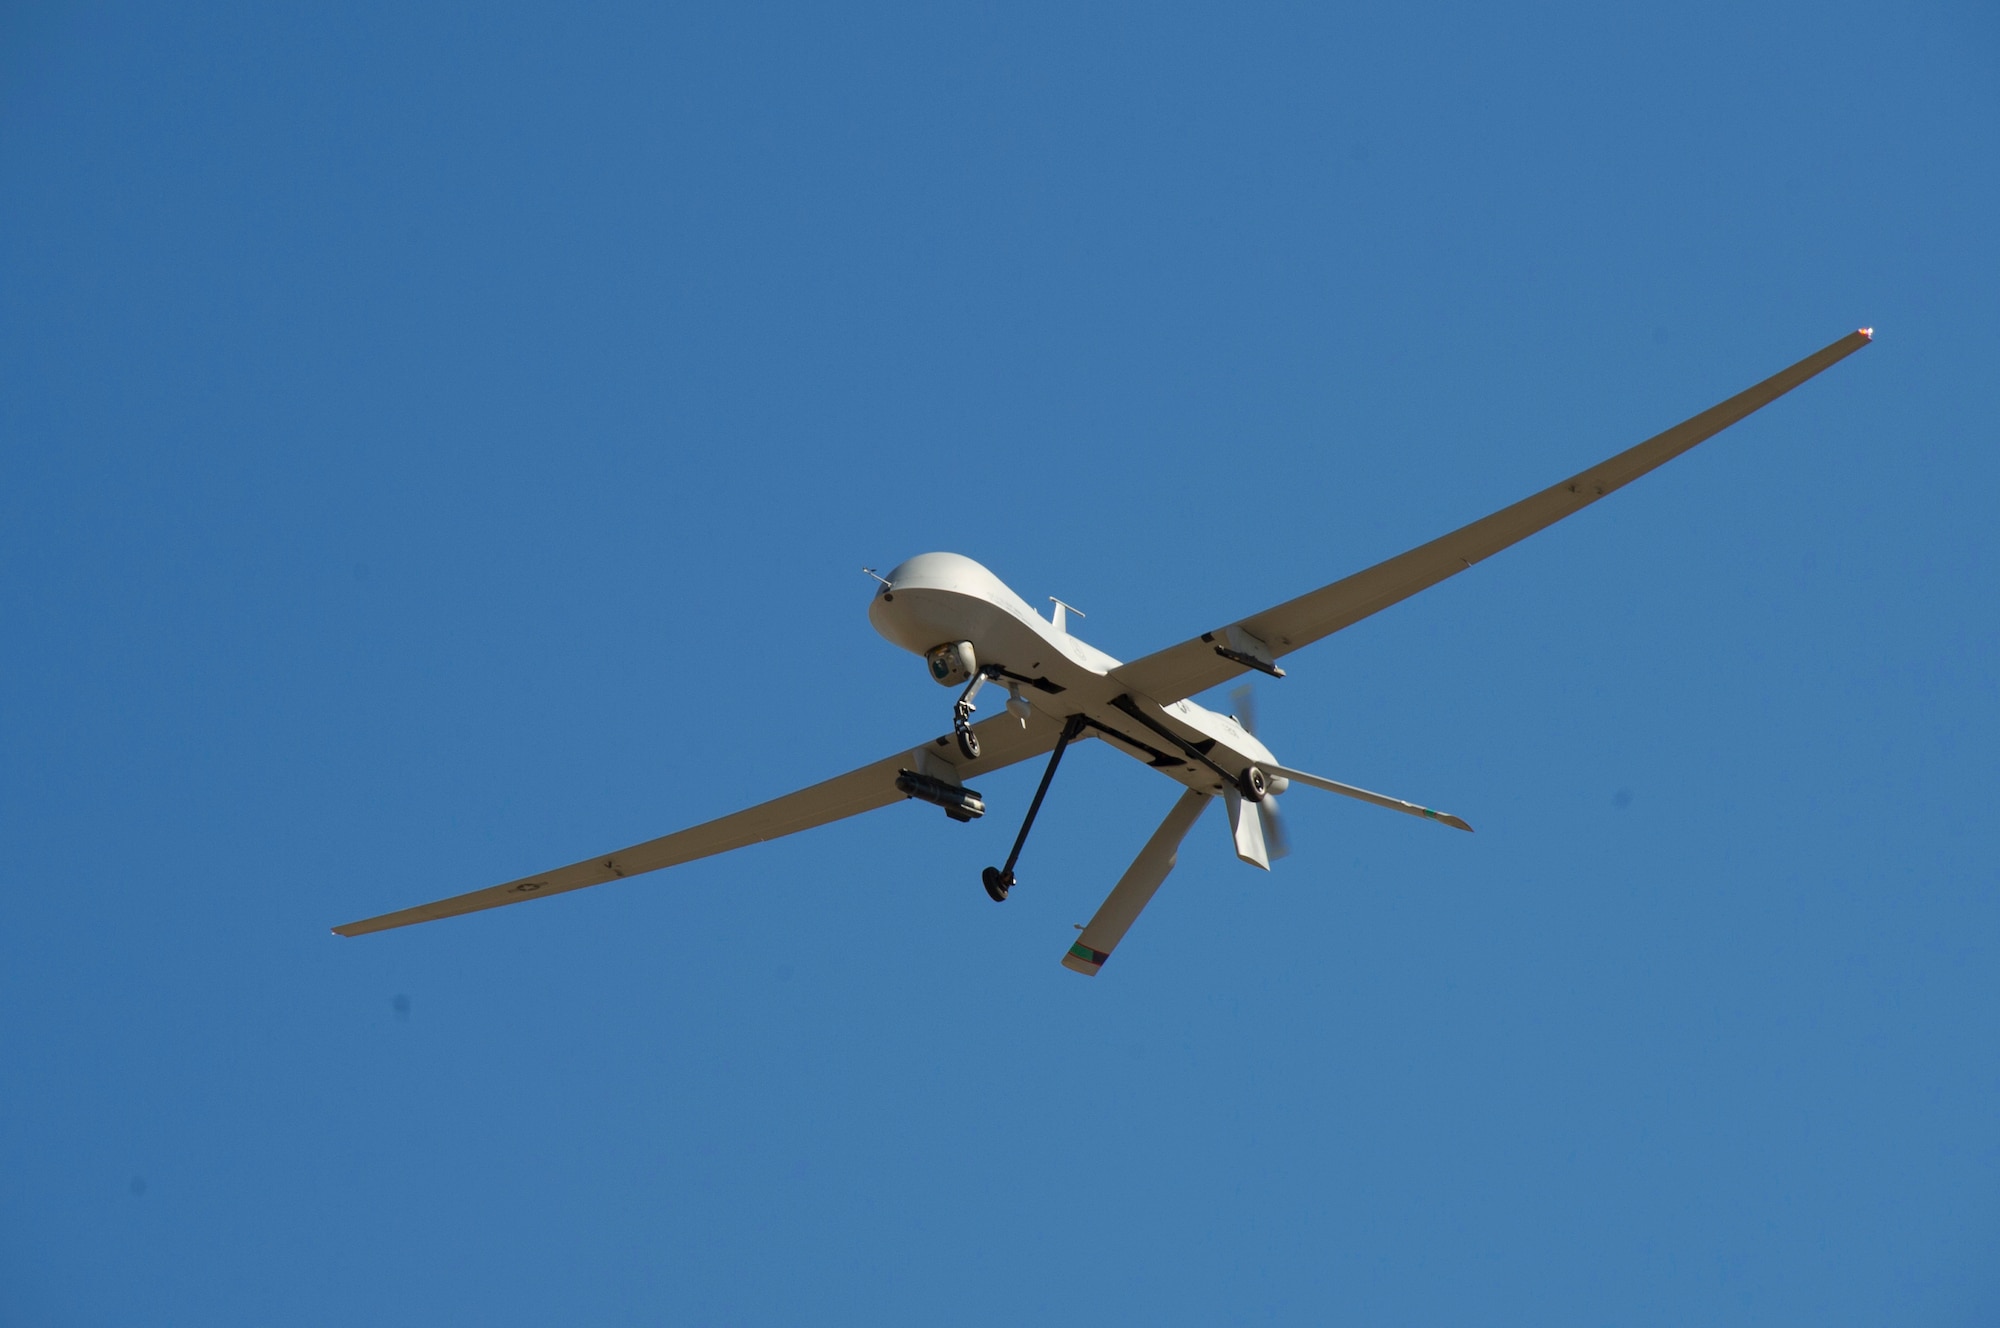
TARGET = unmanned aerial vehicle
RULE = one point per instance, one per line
(974, 633)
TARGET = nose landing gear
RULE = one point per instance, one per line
(961, 725)
(961, 717)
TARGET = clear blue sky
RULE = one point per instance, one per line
(439, 444)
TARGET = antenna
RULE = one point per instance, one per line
(878, 576)
(1059, 615)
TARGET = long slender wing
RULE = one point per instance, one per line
(1197, 665)
(1002, 742)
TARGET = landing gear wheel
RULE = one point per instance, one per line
(997, 884)
(961, 722)
(1252, 784)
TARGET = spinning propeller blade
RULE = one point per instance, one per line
(1277, 843)
(1244, 699)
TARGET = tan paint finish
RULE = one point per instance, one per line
(1193, 666)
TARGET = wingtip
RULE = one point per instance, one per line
(1865, 333)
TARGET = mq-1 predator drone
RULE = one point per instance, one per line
(974, 632)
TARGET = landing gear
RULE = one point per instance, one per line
(999, 880)
(961, 724)
(961, 717)
(1252, 784)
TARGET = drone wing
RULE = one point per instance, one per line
(1256, 641)
(1002, 741)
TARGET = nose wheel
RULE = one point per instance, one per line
(961, 725)
(961, 717)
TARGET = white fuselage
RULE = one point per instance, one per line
(937, 598)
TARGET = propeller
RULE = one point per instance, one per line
(1279, 778)
(1276, 842)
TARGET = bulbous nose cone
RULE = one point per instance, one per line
(945, 571)
(924, 603)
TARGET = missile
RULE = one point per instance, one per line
(959, 803)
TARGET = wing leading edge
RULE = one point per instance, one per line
(1002, 742)
(1194, 666)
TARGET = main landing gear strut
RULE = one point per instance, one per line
(999, 880)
